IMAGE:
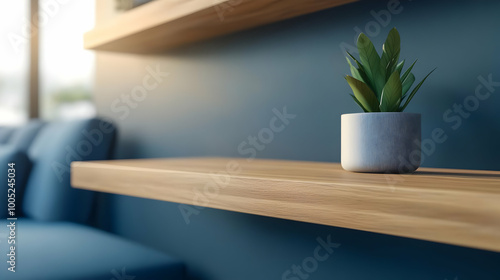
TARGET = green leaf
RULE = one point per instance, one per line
(390, 69)
(400, 66)
(363, 94)
(371, 64)
(407, 83)
(354, 71)
(391, 94)
(408, 71)
(360, 66)
(362, 72)
(359, 103)
(415, 91)
(390, 52)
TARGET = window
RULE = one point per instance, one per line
(14, 61)
(66, 69)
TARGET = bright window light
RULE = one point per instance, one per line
(14, 61)
(66, 69)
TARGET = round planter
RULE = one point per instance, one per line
(381, 142)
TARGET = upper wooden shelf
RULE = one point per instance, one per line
(460, 207)
(165, 24)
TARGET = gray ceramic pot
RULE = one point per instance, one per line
(381, 142)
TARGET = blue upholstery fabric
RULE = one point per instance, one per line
(5, 134)
(9, 154)
(64, 250)
(23, 136)
(49, 195)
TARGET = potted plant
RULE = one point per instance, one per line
(383, 139)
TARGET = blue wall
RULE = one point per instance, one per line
(221, 91)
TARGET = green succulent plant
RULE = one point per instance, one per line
(379, 83)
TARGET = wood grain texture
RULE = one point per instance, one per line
(460, 207)
(165, 24)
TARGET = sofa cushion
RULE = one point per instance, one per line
(24, 135)
(5, 134)
(19, 175)
(64, 250)
(49, 195)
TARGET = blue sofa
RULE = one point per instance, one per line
(52, 238)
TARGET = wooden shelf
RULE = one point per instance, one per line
(165, 24)
(460, 207)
